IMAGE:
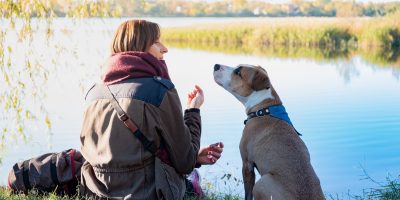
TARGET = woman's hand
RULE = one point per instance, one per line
(195, 98)
(209, 155)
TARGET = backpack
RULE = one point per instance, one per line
(51, 172)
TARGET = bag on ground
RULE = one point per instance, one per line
(51, 172)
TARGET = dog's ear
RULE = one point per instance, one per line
(260, 80)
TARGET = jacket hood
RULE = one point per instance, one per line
(133, 64)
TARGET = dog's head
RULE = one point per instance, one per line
(249, 84)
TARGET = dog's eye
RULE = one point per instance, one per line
(237, 71)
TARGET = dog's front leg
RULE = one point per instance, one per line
(248, 179)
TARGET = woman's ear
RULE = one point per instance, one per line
(260, 80)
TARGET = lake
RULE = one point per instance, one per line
(347, 108)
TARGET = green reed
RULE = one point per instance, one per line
(377, 40)
(294, 32)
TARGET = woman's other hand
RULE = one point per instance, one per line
(209, 155)
(196, 97)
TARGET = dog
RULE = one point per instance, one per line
(269, 141)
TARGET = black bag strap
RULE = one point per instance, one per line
(25, 174)
(53, 169)
(123, 116)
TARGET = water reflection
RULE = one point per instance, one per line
(347, 70)
(382, 57)
(379, 57)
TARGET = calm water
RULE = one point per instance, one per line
(348, 110)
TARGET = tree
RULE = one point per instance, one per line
(348, 9)
(22, 74)
(238, 5)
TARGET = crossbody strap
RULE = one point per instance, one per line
(123, 116)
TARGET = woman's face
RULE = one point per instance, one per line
(157, 50)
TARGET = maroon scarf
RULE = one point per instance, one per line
(133, 64)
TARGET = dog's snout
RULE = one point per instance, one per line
(216, 67)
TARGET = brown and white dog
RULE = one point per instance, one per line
(269, 142)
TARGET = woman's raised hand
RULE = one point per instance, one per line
(196, 97)
(209, 155)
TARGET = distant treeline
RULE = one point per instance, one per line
(236, 8)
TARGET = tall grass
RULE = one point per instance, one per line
(389, 190)
(7, 194)
(306, 32)
(377, 40)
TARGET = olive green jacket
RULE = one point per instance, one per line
(117, 165)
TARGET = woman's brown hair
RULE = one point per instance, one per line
(135, 35)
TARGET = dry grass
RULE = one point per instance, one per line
(295, 31)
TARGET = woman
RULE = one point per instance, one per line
(117, 164)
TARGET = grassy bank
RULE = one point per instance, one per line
(7, 194)
(390, 190)
(381, 32)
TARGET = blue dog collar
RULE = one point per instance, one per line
(277, 111)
